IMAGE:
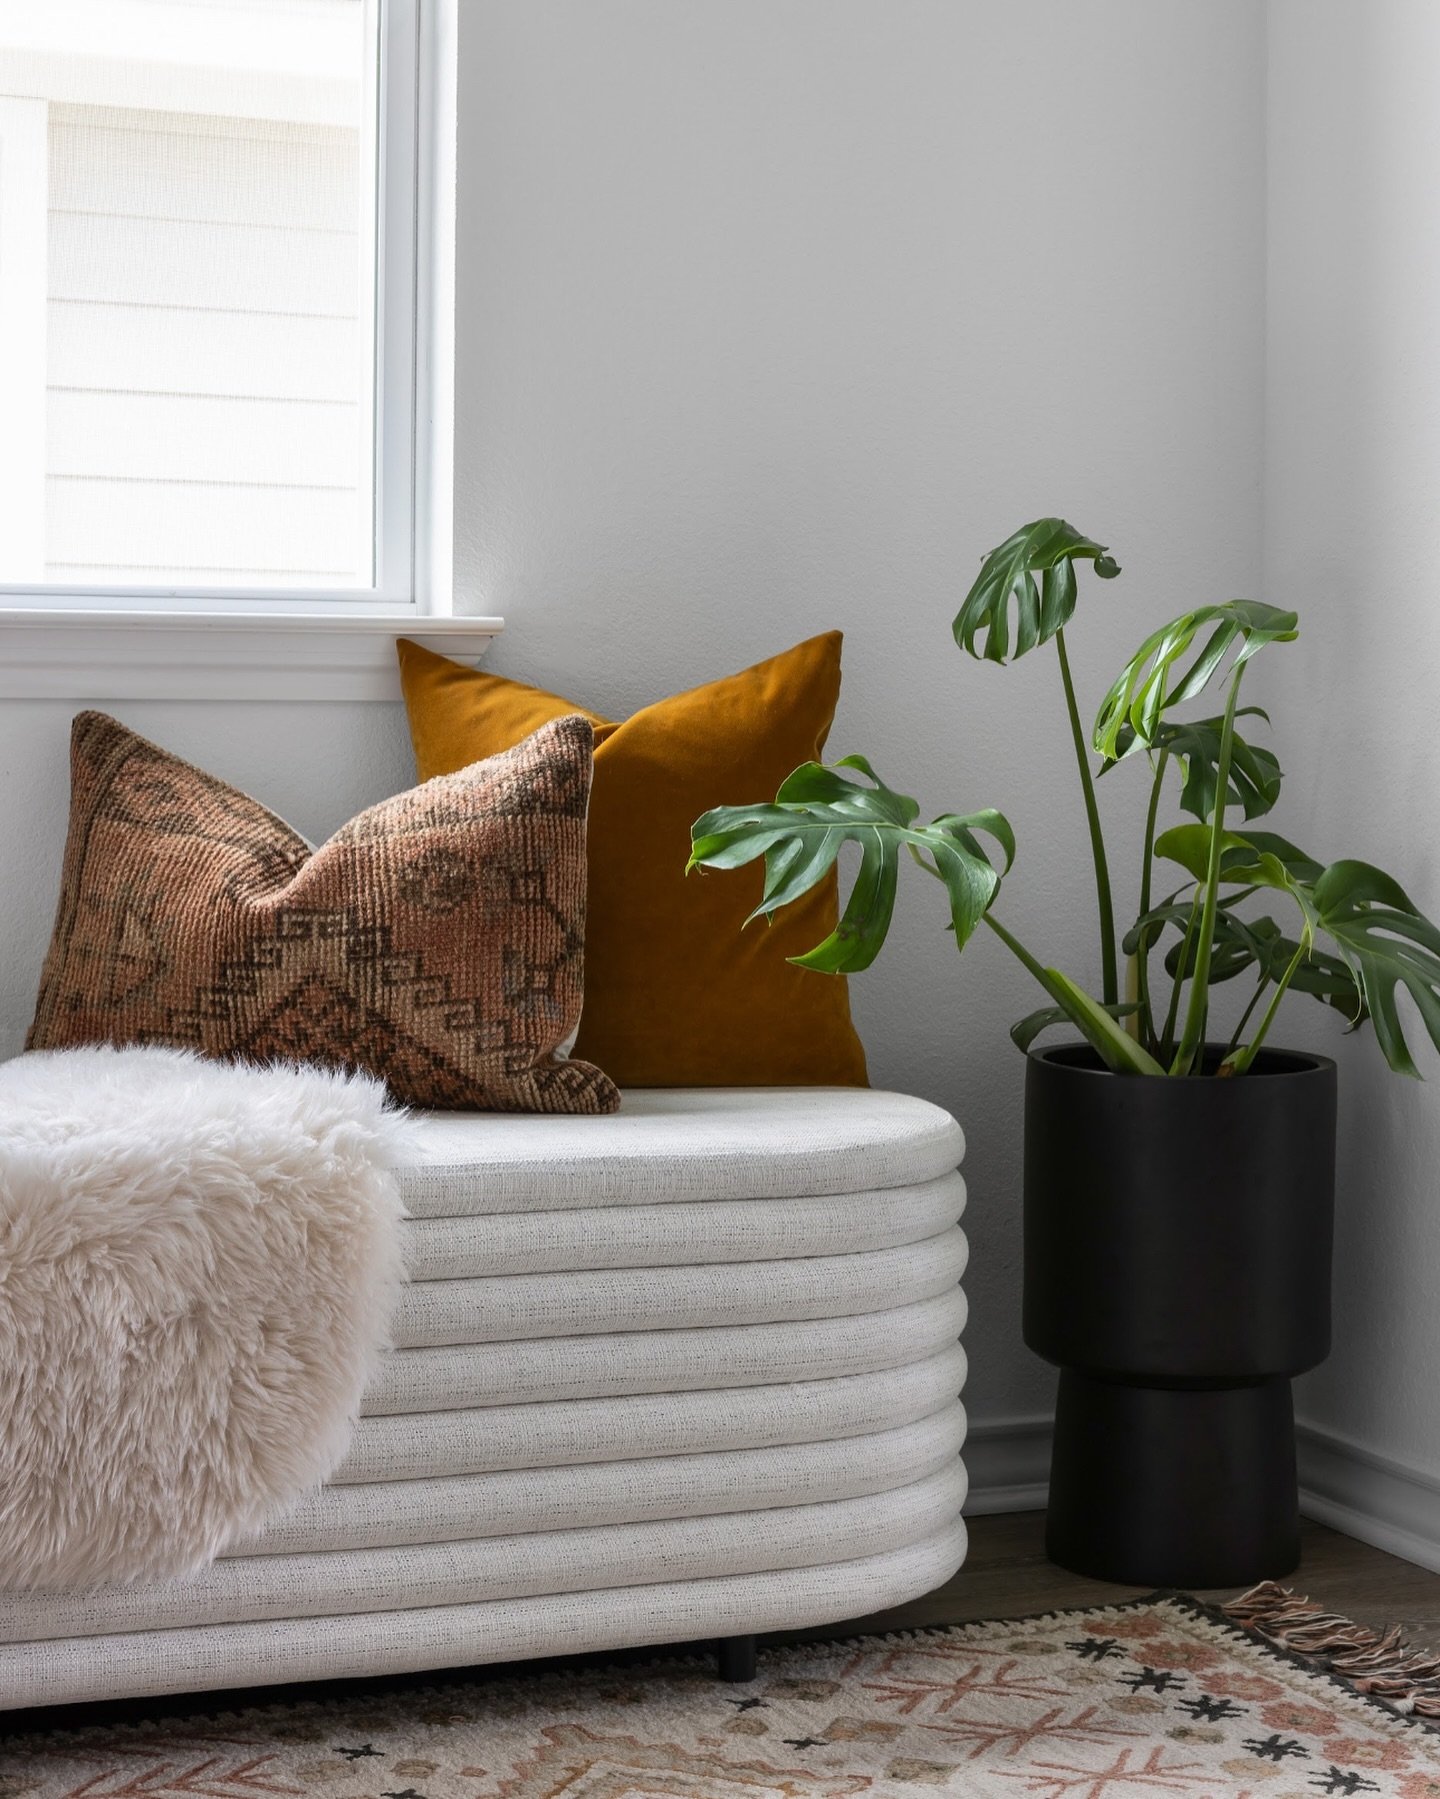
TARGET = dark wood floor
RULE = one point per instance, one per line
(1006, 1575)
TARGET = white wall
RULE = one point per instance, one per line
(774, 315)
(1352, 478)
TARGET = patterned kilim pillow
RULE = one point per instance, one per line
(437, 940)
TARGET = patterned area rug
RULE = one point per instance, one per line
(1160, 1696)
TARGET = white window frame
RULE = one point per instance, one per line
(414, 217)
(111, 644)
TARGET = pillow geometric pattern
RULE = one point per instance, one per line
(437, 940)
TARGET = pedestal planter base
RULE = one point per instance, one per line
(1174, 1487)
(1177, 1272)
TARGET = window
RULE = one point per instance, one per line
(207, 301)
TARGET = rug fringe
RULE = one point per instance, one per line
(1379, 1663)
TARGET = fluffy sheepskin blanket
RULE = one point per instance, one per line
(198, 1265)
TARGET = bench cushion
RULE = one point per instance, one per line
(669, 1144)
(677, 1236)
(571, 1560)
(673, 1361)
(563, 1433)
(684, 1371)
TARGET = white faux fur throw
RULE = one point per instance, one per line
(198, 1266)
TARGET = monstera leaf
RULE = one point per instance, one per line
(818, 810)
(1255, 775)
(1386, 943)
(1236, 948)
(814, 814)
(1258, 859)
(1259, 943)
(1382, 940)
(1149, 685)
(1323, 976)
(1048, 548)
(1238, 943)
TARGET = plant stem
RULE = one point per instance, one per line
(1109, 978)
(1149, 851)
(1194, 1031)
(1239, 1030)
(1168, 1036)
(1240, 1062)
(1133, 1023)
(1119, 1053)
(1018, 949)
(1145, 1020)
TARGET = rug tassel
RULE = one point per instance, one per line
(1378, 1663)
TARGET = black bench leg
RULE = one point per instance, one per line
(735, 1658)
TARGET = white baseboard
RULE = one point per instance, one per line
(1366, 1495)
(1008, 1461)
(1370, 1496)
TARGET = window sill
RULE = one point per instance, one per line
(61, 655)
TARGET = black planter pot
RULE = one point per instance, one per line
(1177, 1272)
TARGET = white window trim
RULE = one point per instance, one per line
(102, 656)
(213, 643)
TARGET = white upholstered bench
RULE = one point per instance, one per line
(688, 1372)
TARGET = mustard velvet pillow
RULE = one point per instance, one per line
(676, 993)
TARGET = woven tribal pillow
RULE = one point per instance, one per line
(437, 940)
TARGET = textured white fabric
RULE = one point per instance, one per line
(483, 1439)
(673, 1361)
(735, 1230)
(203, 1657)
(509, 1306)
(668, 1144)
(684, 1372)
(198, 1264)
(686, 1486)
(567, 1561)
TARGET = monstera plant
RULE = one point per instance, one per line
(1177, 1231)
(1348, 935)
